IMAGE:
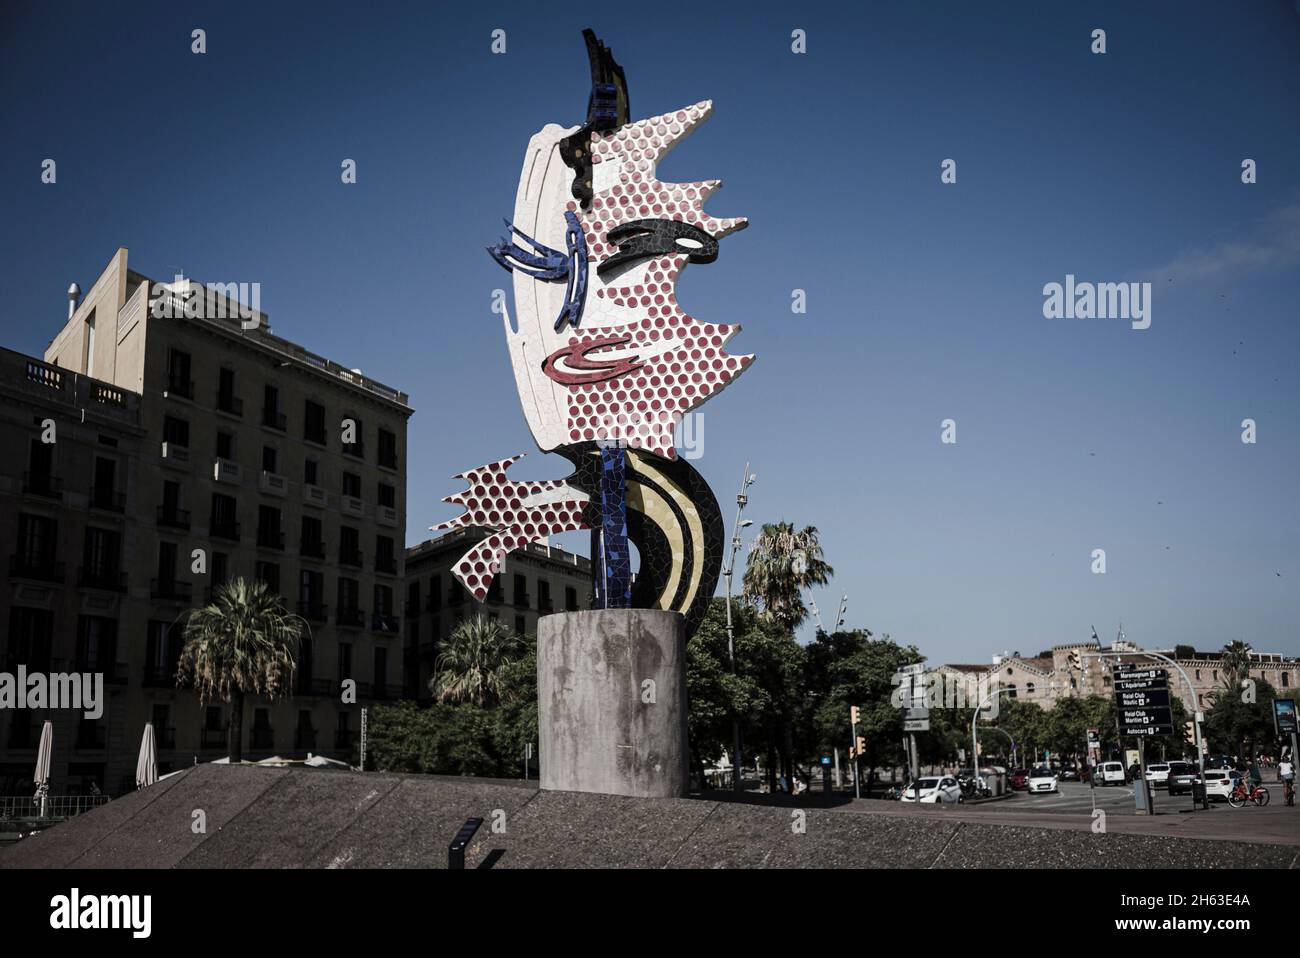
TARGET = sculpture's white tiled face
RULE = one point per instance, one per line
(636, 363)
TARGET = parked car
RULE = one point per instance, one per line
(1180, 778)
(934, 790)
(1042, 780)
(1219, 782)
(1110, 773)
(1157, 772)
(1069, 772)
(1019, 778)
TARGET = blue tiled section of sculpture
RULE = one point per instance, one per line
(616, 591)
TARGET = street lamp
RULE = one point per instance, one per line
(974, 738)
(742, 498)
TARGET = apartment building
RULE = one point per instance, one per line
(238, 453)
(534, 581)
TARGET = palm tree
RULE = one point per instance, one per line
(470, 666)
(242, 643)
(1236, 663)
(782, 564)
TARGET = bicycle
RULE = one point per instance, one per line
(1288, 790)
(1241, 794)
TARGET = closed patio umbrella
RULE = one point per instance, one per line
(44, 763)
(146, 767)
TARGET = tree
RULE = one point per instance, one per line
(1236, 663)
(242, 643)
(782, 564)
(473, 662)
(1235, 723)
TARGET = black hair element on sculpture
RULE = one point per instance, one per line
(607, 109)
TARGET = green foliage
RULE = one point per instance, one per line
(782, 564)
(473, 661)
(1236, 727)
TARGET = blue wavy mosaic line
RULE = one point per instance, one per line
(617, 587)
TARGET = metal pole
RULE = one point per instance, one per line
(857, 762)
(974, 736)
(741, 499)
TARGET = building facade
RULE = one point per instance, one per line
(534, 581)
(237, 453)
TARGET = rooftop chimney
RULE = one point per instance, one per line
(74, 298)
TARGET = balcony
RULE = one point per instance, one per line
(230, 405)
(353, 618)
(38, 568)
(314, 496)
(107, 499)
(270, 539)
(261, 738)
(170, 590)
(212, 738)
(386, 516)
(351, 557)
(273, 419)
(317, 688)
(352, 506)
(387, 460)
(386, 564)
(273, 484)
(174, 454)
(224, 529)
(304, 739)
(545, 606)
(522, 600)
(356, 450)
(174, 518)
(179, 388)
(311, 548)
(314, 611)
(42, 485)
(385, 623)
(223, 470)
(111, 580)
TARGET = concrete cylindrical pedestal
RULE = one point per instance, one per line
(611, 689)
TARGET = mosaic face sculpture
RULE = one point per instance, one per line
(605, 361)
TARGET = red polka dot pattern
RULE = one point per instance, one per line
(517, 512)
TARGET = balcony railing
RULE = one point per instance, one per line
(224, 470)
(270, 539)
(313, 611)
(386, 516)
(351, 557)
(224, 529)
(175, 454)
(261, 738)
(53, 807)
(43, 375)
(273, 484)
(352, 506)
(174, 518)
(522, 600)
(386, 564)
(171, 590)
(231, 405)
(311, 548)
(42, 484)
(545, 605)
(385, 623)
(107, 499)
(355, 449)
(314, 496)
(40, 569)
(273, 419)
(318, 688)
(356, 618)
(111, 580)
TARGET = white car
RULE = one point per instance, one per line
(1110, 773)
(934, 790)
(1219, 782)
(1158, 773)
(1042, 780)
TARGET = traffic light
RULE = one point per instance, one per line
(853, 714)
(850, 751)
(862, 745)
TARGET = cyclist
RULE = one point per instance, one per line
(1286, 772)
(1254, 776)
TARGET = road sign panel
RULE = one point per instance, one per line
(1142, 699)
(916, 725)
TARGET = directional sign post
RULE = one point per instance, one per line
(1142, 701)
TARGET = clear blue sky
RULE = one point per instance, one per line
(924, 300)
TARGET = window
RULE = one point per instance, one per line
(349, 546)
(1286, 680)
(220, 567)
(357, 447)
(313, 422)
(381, 671)
(313, 533)
(521, 590)
(176, 432)
(178, 374)
(1029, 688)
(311, 472)
(345, 660)
(269, 459)
(520, 625)
(37, 536)
(271, 415)
(435, 592)
(544, 596)
(387, 449)
(212, 718)
(103, 550)
(224, 510)
(162, 652)
(1011, 690)
(225, 445)
(42, 463)
(269, 532)
(97, 644)
(103, 494)
(166, 563)
(31, 633)
(269, 572)
(570, 599)
(383, 600)
(226, 401)
(90, 344)
(387, 495)
(349, 594)
(384, 558)
(352, 485)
